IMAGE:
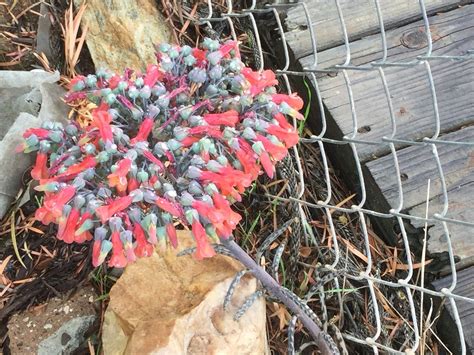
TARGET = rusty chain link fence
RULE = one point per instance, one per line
(341, 307)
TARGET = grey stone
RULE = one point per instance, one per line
(68, 338)
(27, 99)
(14, 164)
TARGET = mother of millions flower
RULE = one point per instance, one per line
(171, 147)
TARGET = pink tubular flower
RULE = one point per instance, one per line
(40, 170)
(114, 81)
(142, 248)
(153, 74)
(75, 80)
(101, 120)
(228, 118)
(259, 81)
(210, 130)
(41, 133)
(118, 258)
(118, 205)
(288, 136)
(267, 164)
(66, 233)
(76, 169)
(171, 232)
(132, 184)
(248, 163)
(228, 47)
(278, 152)
(280, 118)
(293, 100)
(189, 141)
(53, 205)
(204, 248)
(118, 178)
(149, 155)
(144, 131)
(233, 218)
(168, 206)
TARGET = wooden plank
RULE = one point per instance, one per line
(461, 237)
(417, 165)
(404, 43)
(448, 331)
(409, 87)
(360, 17)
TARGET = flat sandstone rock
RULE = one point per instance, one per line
(122, 34)
(174, 305)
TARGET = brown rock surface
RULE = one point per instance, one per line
(174, 305)
(123, 33)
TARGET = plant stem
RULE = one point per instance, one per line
(324, 341)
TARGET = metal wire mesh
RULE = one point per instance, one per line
(292, 170)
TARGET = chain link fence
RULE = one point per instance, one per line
(341, 307)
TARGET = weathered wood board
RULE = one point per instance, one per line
(409, 87)
(360, 17)
(417, 165)
(464, 287)
(407, 42)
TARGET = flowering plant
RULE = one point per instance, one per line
(175, 145)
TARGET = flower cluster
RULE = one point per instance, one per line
(175, 145)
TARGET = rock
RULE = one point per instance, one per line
(68, 338)
(122, 34)
(56, 327)
(27, 99)
(14, 164)
(174, 305)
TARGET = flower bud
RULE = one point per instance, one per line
(197, 75)
(195, 188)
(115, 223)
(142, 176)
(71, 130)
(249, 134)
(79, 201)
(153, 111)
(137, 195)
(186, 50)
(186, 199)
(102, 157)
(145, 92)
(89, 148)
(173, 144)
(139, 82)
(100, 233)
(258, 147)
(193, 172)
(189, 60)
(91, 81)
(213, 166)
(133, 92)
(216, 72)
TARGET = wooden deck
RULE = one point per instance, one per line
(452, 29)
(451, 26)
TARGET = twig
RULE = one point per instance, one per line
(325, 343)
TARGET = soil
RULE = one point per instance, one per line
(27, 329)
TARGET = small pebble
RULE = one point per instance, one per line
(48, 326)
(91, 299)
(66, 310)
(26, 319)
